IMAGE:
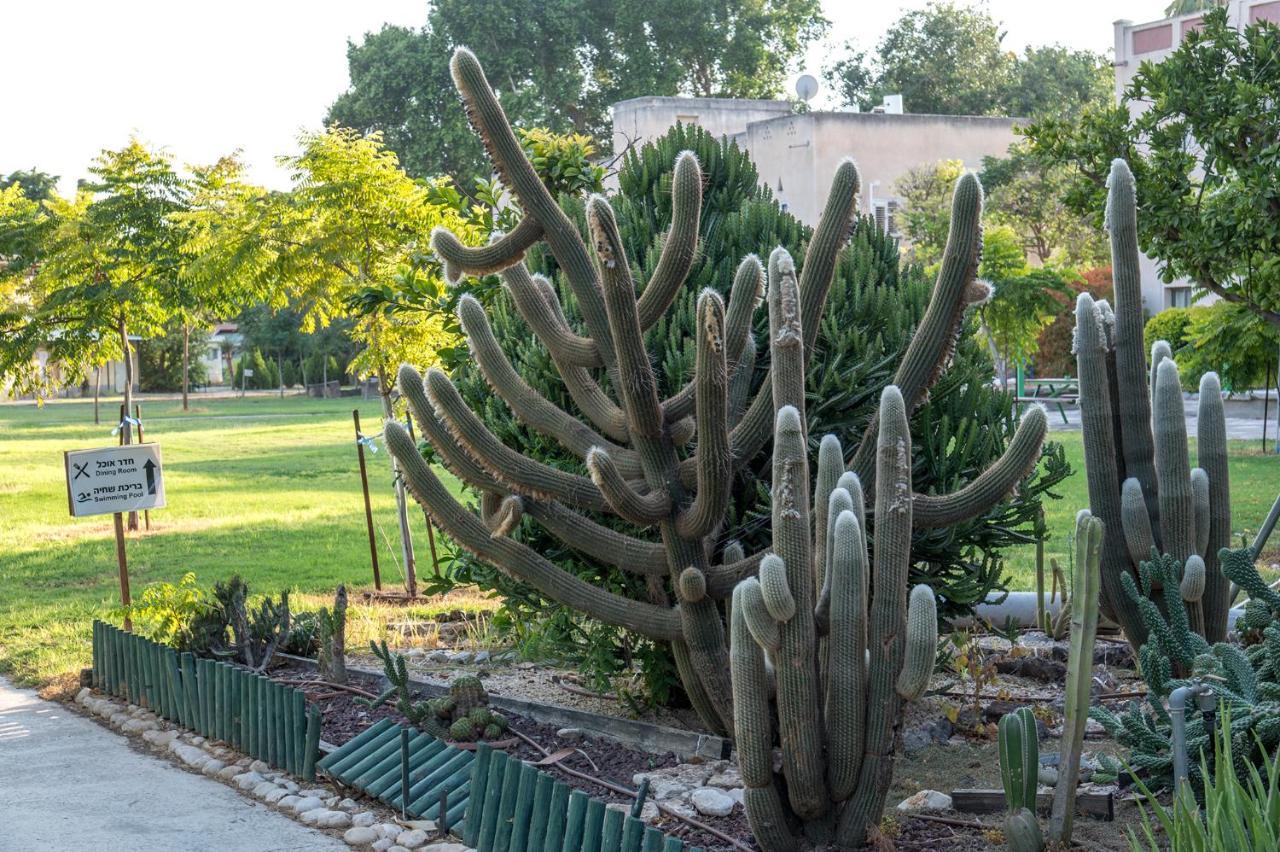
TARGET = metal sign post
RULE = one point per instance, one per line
(115, 480)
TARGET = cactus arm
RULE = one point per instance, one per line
(752, 432)
(794, 664)
(715, 466)
(1010, 739)
(1100, 466)
(721, 579)
(740, 382)
(1211, 454)
(516, 471)
(753, 731)
(955, 289)
(1200, 502)
(1138, 538)
(1084, 626)
(748, 598)
(993, 484)
(846, 700)
(464, 527)
(541, 312)
(830, 466)
(887, 626)
(483, 260)
(531, 407)
(575, 530)
(922, 643)
(1135, 437)
(681, 245)
(506, 517)
(628, 503)
(508, 157)
(1173, 470)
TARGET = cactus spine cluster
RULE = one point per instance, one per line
(1084, 630)
(670, 464)
(1019, 743)
(1141, 485)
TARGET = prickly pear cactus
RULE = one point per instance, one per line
(463, 715)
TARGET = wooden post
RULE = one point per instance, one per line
(123, 562)
(137, 415)
(126, 433)
(402, 514)
(186, 364)
(97, 390)
(368, 509)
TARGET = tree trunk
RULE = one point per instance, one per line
(186, 363)
(97, 389)
(126, 428)
(280, 374)
(406, 542)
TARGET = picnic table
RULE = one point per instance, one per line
(1057, 392)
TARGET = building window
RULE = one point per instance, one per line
(1179, 297)
(887, 217)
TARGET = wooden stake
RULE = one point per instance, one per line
(137, 415)
(431, 536)
(123, 562)
(368, 509)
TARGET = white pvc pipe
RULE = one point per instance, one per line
(1021, 607)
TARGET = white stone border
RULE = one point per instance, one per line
(363, 824)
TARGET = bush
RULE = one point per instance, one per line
(1229, 339)
(1054, 358)
(1170, 325)
(165, 612)
(872, 309)
(264, 375)
(160, 361)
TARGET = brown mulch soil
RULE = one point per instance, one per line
(343, 718)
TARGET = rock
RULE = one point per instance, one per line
(192, 756)
(1093, 729)
(397, 848)
(1037, 668)
(276, 795)
(347, 805)
(573, 735)
(134, 726)
(360, 836)
(264, 788)
(415, 654)
(726, 779)
(710, 801)
(389, 830)
(317, 792)
(304, 804)
(926, 800)
(159, 739)
(442, 657)
(482, 657)
(935, 732)
(286, 803)
(383, 844)
(364, 819)
(212, 767)
(83, 694)
(331, 802)
(227, 773)
(291, 786)
(248, 780)
(261, 767)
(411, 839)
(330, 819)
(446, 846)
(461, 658)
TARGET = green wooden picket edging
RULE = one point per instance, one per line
(505, 804)
(248, 711)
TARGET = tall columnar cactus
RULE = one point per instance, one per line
(664, 464)
(1019, 743)
(835, 627)
(1141, 484)
(1084, 627)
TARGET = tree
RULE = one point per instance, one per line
(1186, 7)
(164, 361)
(950, 59)
(944, 58)
(1020, 308)
(1202, 152)
(36, 185)
(1026, 194)
(561, 64)
(925, 214)
(352, 220)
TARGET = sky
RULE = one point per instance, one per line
(201, 80)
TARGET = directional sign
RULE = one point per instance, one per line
(125, 478)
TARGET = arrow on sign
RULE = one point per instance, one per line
(150, 468)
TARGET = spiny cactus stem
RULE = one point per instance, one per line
(681, 244)
(547, 321)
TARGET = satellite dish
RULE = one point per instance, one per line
(806, 87)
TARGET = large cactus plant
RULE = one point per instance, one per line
(664, 464)
(1141, 484)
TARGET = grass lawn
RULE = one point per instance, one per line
(263, 486)
(1255, 482)
(269, 488)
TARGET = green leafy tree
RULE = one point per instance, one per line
(1020, 308)
(36, 185)
(1026, 194)
(925, 192)
(164, 363)
(559, 65)
(950, 59)
(1186, 7)
(1202, 150)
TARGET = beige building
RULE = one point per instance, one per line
(797, 153)
(1152, 42)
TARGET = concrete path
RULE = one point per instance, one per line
(68, 783)
(1238, 428)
